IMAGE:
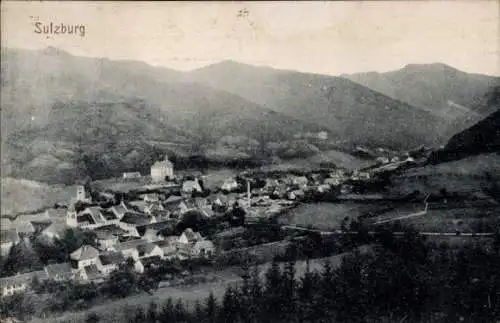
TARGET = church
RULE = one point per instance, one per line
(162, 169)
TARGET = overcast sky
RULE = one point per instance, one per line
(320, 37)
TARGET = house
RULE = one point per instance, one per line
(53, 230)
(107, 197)
(20, 283)
(129, 248)
(85, 256)
(322, 135)
(229, 185)
(332, 181)
(110, 261)
(149, 250)
(191, 186)
(90, 218)
(139, 206)
(189, 236)
(323, 188)
(152, 262)
(300, 181)
(119, 210)
(364, 175)
(138, 266)
(8, 239)
(162, 170)
(131, 175)
(106, 240)
(382, 160)
(169, 246)
(109, 216)
(203, 249)
(80, 194)
(113, 229)
(60, 272)
(154, 208)
(134, 219)
(175, 205)
(157, 231)
(92, 273)
(151, 197)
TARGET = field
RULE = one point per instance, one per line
(20, 195)
(327, 216)
(467, 220)
(467, 175)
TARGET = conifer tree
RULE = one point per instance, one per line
(167, 311)
(179, 311)
(152, 312)
(211, 308)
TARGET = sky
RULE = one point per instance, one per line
(319, 37)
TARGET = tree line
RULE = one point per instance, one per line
(401, 280)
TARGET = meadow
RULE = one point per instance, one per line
(327, 216)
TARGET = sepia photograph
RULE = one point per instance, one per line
(250, 162)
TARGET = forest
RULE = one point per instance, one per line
(404, 279)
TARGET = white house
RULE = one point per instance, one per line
(162, 169)
(110, 261)
(80, 195)
(191, 186)
(229, 185)
(189, 236)
(20, 283)
(85, 256)
(149, 250)
(203, 249)
(61, 272)
(131, 175)
(106, 240)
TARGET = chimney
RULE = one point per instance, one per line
(248, 193)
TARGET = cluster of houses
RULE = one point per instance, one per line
(141, 230)
(90, 264)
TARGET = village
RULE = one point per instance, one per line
(140, 225)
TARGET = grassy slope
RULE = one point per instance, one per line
(19, 195)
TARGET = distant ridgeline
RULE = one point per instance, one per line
(483, 137)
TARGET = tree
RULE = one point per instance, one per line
(139, 316)
(152, 312)
(229, 310)
(211, 308)
(167, 311)
(179, 311)
(92, 318)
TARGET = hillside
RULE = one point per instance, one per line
(352, 113)
(460, 98)
(19, 195)
(483, 137)
(66, 117)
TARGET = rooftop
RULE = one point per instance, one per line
(111, 258)
(84, 253)
(26, 278)
(136, 218)
(58, 269)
